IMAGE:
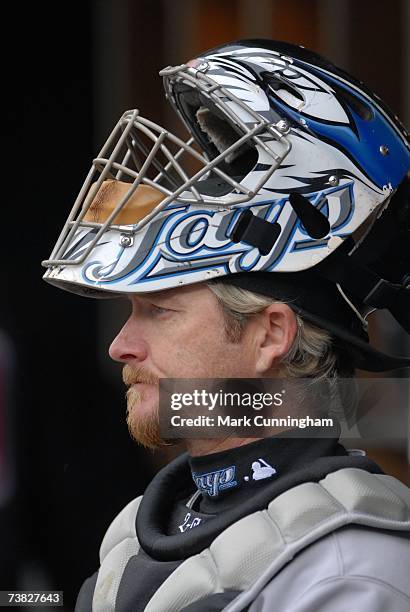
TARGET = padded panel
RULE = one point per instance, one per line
(400, 489)
(110, 574)
(245, 549)
(363, 493)
(123, 526)
(299, 510)
(194, 579)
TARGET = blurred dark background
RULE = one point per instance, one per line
(67, 465)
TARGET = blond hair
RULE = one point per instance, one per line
(311, 354)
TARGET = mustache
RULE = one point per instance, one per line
(133, 375)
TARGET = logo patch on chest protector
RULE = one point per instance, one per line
(189, 524)
(262, 470)
(214, 482)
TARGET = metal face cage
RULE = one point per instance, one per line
(141, 152)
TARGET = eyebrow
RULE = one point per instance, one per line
(156, 295)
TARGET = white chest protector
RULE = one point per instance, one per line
(249, 553)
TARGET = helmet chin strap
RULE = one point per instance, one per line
(366, 285)
(362, 319)
(363, 272)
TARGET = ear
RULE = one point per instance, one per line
(277, 329)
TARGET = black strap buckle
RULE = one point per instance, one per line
(257, 232)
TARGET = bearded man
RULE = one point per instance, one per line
(264, 263)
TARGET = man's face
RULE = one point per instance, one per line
(174, 334)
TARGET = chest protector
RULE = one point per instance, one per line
(249, 553)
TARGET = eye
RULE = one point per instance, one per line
(159, 310)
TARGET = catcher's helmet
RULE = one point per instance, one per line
(293, 183)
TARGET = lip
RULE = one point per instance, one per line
(141, 384)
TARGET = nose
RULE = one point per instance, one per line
(129, 346)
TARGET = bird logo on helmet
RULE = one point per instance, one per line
(288, 160)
